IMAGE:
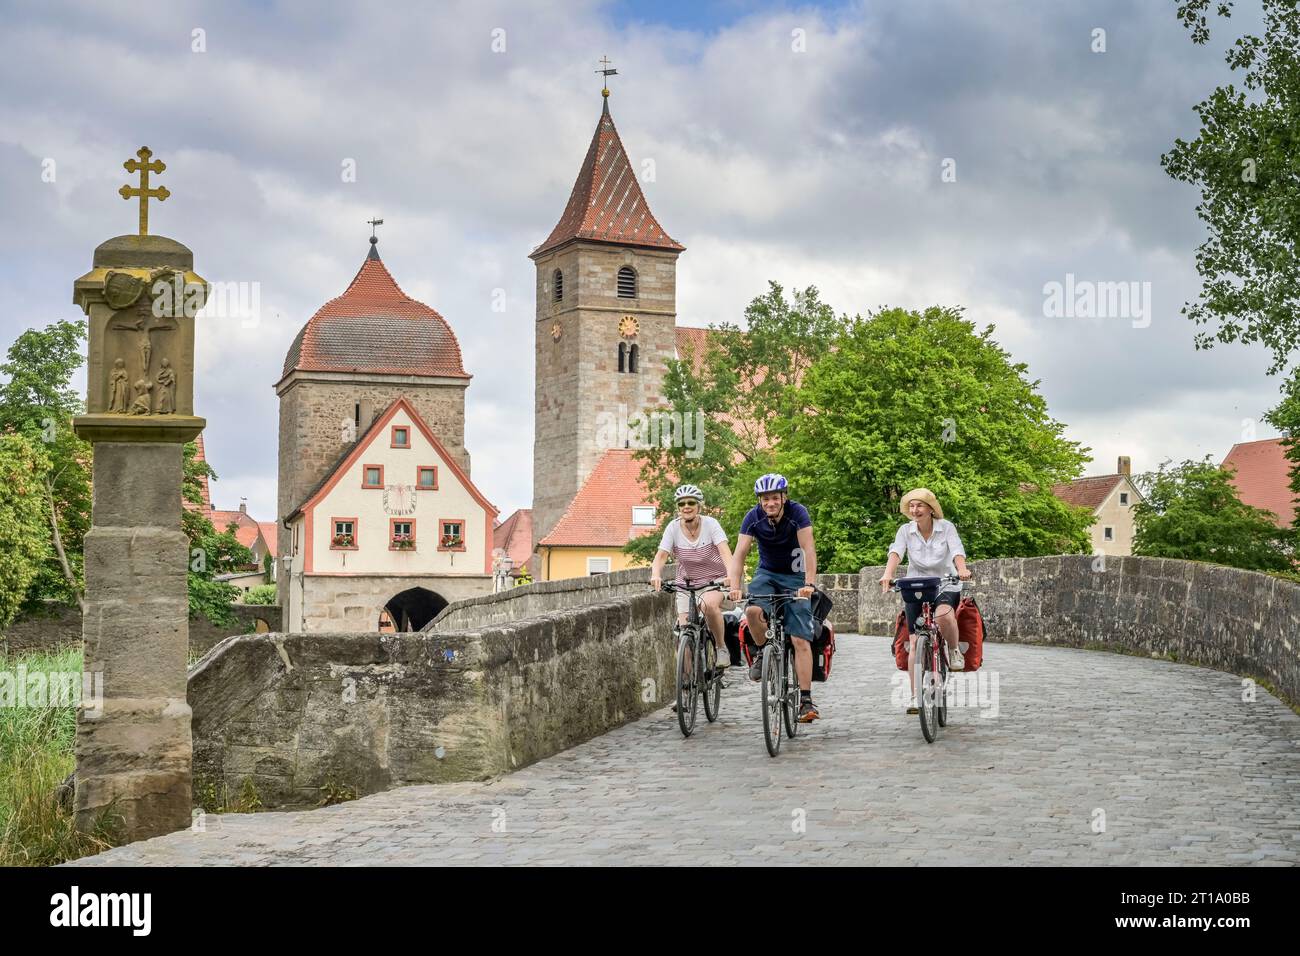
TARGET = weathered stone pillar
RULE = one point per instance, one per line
(134, 755)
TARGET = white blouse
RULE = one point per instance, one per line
(933, 558)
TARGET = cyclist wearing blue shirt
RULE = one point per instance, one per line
(787, 564)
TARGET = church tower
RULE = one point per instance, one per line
(359, 353)
(605, 323)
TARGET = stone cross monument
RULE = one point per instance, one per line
(134, 747)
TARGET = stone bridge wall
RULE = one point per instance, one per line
(1243, 622)
(302, 712)
(60, 625)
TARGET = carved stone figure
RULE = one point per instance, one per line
(166, 388)
(117, 395)
(141, 405)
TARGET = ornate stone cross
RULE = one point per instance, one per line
(144, 168)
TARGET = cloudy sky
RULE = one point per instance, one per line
(806, 144)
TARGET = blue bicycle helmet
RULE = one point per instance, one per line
(770, 482)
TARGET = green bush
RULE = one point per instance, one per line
(262, 594)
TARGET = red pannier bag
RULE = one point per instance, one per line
(970, 633)
(900, 641)
(823, 649)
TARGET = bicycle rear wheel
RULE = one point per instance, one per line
(771, 699)
(688, 694)
(713, 682)
(942, 656)
(790, 697)
(926, 703)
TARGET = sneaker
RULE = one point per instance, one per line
(955, 661)
(808, 712)
(723, 661)
(756, 669)
(911, 706)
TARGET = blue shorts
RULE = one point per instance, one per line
(798, 614)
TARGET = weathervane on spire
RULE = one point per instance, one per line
(606, 72)
(374, 240)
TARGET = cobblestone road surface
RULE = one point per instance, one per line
(1088, 757)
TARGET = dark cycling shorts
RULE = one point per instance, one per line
(913, 610)
(797, 614)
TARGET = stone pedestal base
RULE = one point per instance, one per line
(133, 746)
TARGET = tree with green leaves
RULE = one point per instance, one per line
(1191, 511)
(24, 526)
(38, 402)
(739, 384)
(1246, 161)
(906, 399)
(212, 552)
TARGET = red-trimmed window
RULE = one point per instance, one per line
(451, 534)
(343, 534)
(401, 436)
(401, 534)
(372, 476)
(426, 477)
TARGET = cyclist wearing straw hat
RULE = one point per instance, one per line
(933, 549)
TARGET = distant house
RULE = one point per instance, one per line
(1261, 474)
(513, 539)
(610, 509)
(258, 536)
(1110, 498)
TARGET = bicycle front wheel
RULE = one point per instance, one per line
(688, 695)
(927, 704)
(771, 699)
(713, 680)
(790, 706)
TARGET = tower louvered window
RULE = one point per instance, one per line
(627, 283)
(558, 282)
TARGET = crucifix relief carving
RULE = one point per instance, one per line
(144, 323)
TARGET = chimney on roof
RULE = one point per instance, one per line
(1125, 466)
(243, 506)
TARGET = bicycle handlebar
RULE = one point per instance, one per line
(671, 586)
(943, 579)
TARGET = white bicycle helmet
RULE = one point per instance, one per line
(770, 482)
(688, 491)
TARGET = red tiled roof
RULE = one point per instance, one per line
(1262, 477)
(600, 514)
(1087, 492)
(607, 204)
(515, 537)
(271, 533)
(246, 529)
(376, 327)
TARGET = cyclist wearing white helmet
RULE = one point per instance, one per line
(699, 545)
(787, 563)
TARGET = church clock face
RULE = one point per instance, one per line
(628, 326)
(556, 331)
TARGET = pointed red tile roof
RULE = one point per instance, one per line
(376, 327)
(515, 537)
(600, 514)
(1262, 477)
(607, 204)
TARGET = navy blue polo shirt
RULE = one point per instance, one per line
(778, 544)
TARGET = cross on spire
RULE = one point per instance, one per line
(606, 72)
(374, 240)
(144, 167)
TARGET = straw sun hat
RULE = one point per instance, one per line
(924, 494)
